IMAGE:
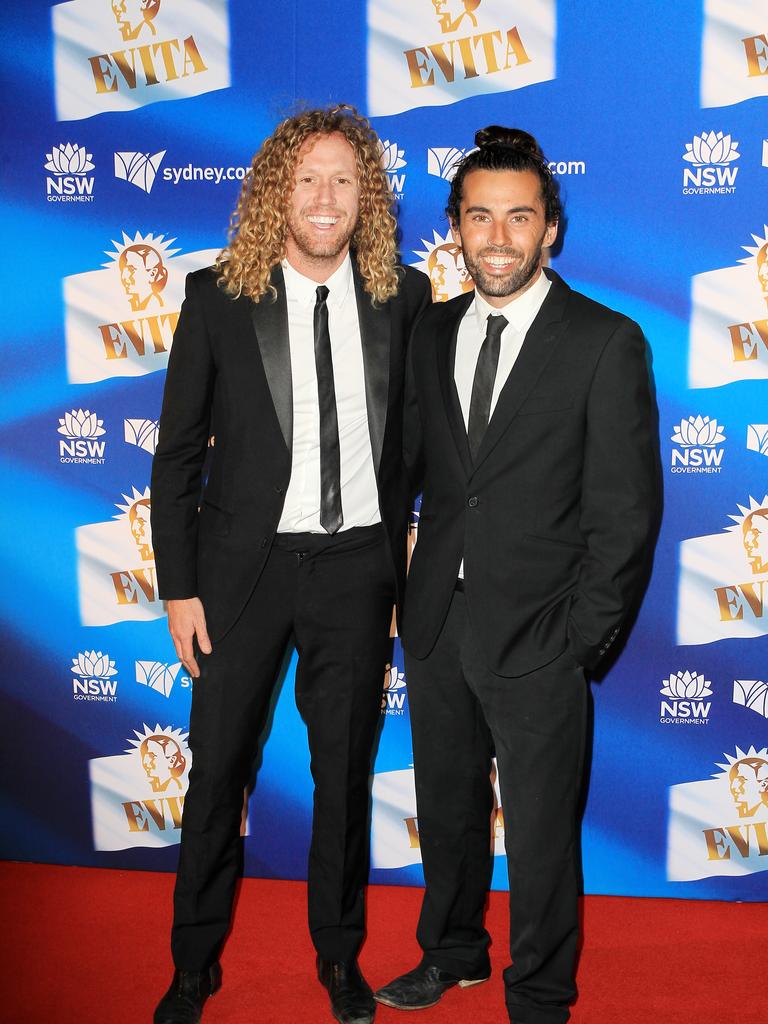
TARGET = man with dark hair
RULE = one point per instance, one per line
(529, 430)
(293, 346)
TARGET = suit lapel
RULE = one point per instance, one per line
(537, 350)
(270, 322)
(375, 326)
(446, 360)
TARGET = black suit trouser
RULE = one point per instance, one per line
(334, 596)
(460, 713)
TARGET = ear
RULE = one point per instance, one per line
(455, 233)
(550, 235)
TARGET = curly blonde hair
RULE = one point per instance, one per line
(258, 226)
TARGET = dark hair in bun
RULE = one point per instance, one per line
(506, 149)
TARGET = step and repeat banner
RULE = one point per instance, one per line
(130, 128)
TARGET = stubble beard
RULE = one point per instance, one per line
(511, 283)
(318, 249)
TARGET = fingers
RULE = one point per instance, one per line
(202, 635)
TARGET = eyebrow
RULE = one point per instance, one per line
(513, 209)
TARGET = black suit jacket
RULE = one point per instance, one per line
(555, 518)
(230, 366)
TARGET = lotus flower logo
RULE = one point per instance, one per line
(686, 685)
(142, 433)
(81, 423)
(443, 163)
(711, 148)
(698, 432)
(757, 438)
(68, 159)
(391, 156)
(752, 694)
(157, 675)
(93, 665)
(394, 679)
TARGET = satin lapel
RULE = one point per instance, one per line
(375, 327)
(270, 322)
(446, 360)
(537, 350)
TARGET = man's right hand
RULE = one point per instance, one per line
(186, 619)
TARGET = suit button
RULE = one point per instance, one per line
(263, 542)
(474, 501)
(278, 490)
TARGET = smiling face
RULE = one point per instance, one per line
(502, 230)
(323, 207)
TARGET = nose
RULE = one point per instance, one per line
(499, 234)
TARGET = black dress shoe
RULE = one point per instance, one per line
(422, 987)
(351, 996)
(183, 1002)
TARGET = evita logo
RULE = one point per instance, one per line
(392, 160)
(393, 698)
(69, 180)
(699, 449)
(711, 155)
(684, 702)
(82, 430)
(94, 674)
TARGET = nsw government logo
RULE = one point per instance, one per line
(69, 180)
(82, 430)
(719, 826)
(684, 702)
(94, 677)
(393, 700)
(711, 155)
(392, 161)
(699, 446)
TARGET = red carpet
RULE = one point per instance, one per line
(85, 946)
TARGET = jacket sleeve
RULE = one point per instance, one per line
(412, 430)
(183, 440)
(619, 500)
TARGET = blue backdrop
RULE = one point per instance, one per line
(129, 134)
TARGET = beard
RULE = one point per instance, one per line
(315, 247)
(508, 284)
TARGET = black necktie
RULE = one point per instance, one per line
(482, 386)
(331, 516)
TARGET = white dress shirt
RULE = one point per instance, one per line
(520, 314)
(359, 496)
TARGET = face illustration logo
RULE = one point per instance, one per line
(134, 15)
(137, 797)
(734, 56)
(685, 704)
(119, 320)
(81, 430)
(752, 694)
(68, 180)
(719, 826)
(711, 154)
(430, 52)
(160, 676)
(138, 168)
(723, 584)
(451, 13)
(115, 55)
(392, 160)
(729, 320)
(443, 262)
(142, 433)
(698, 439)
(93, 672)
(115, 566)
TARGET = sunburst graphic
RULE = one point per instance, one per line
(125, 510)
(175, 734)
(754, 506)
(159, 243)
(739, 756)
(754, 250)
(443, 262)
(136, 513)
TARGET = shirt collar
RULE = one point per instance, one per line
(519, 312)
(304, 290)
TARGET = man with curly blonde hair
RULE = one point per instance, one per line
(293, 349)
